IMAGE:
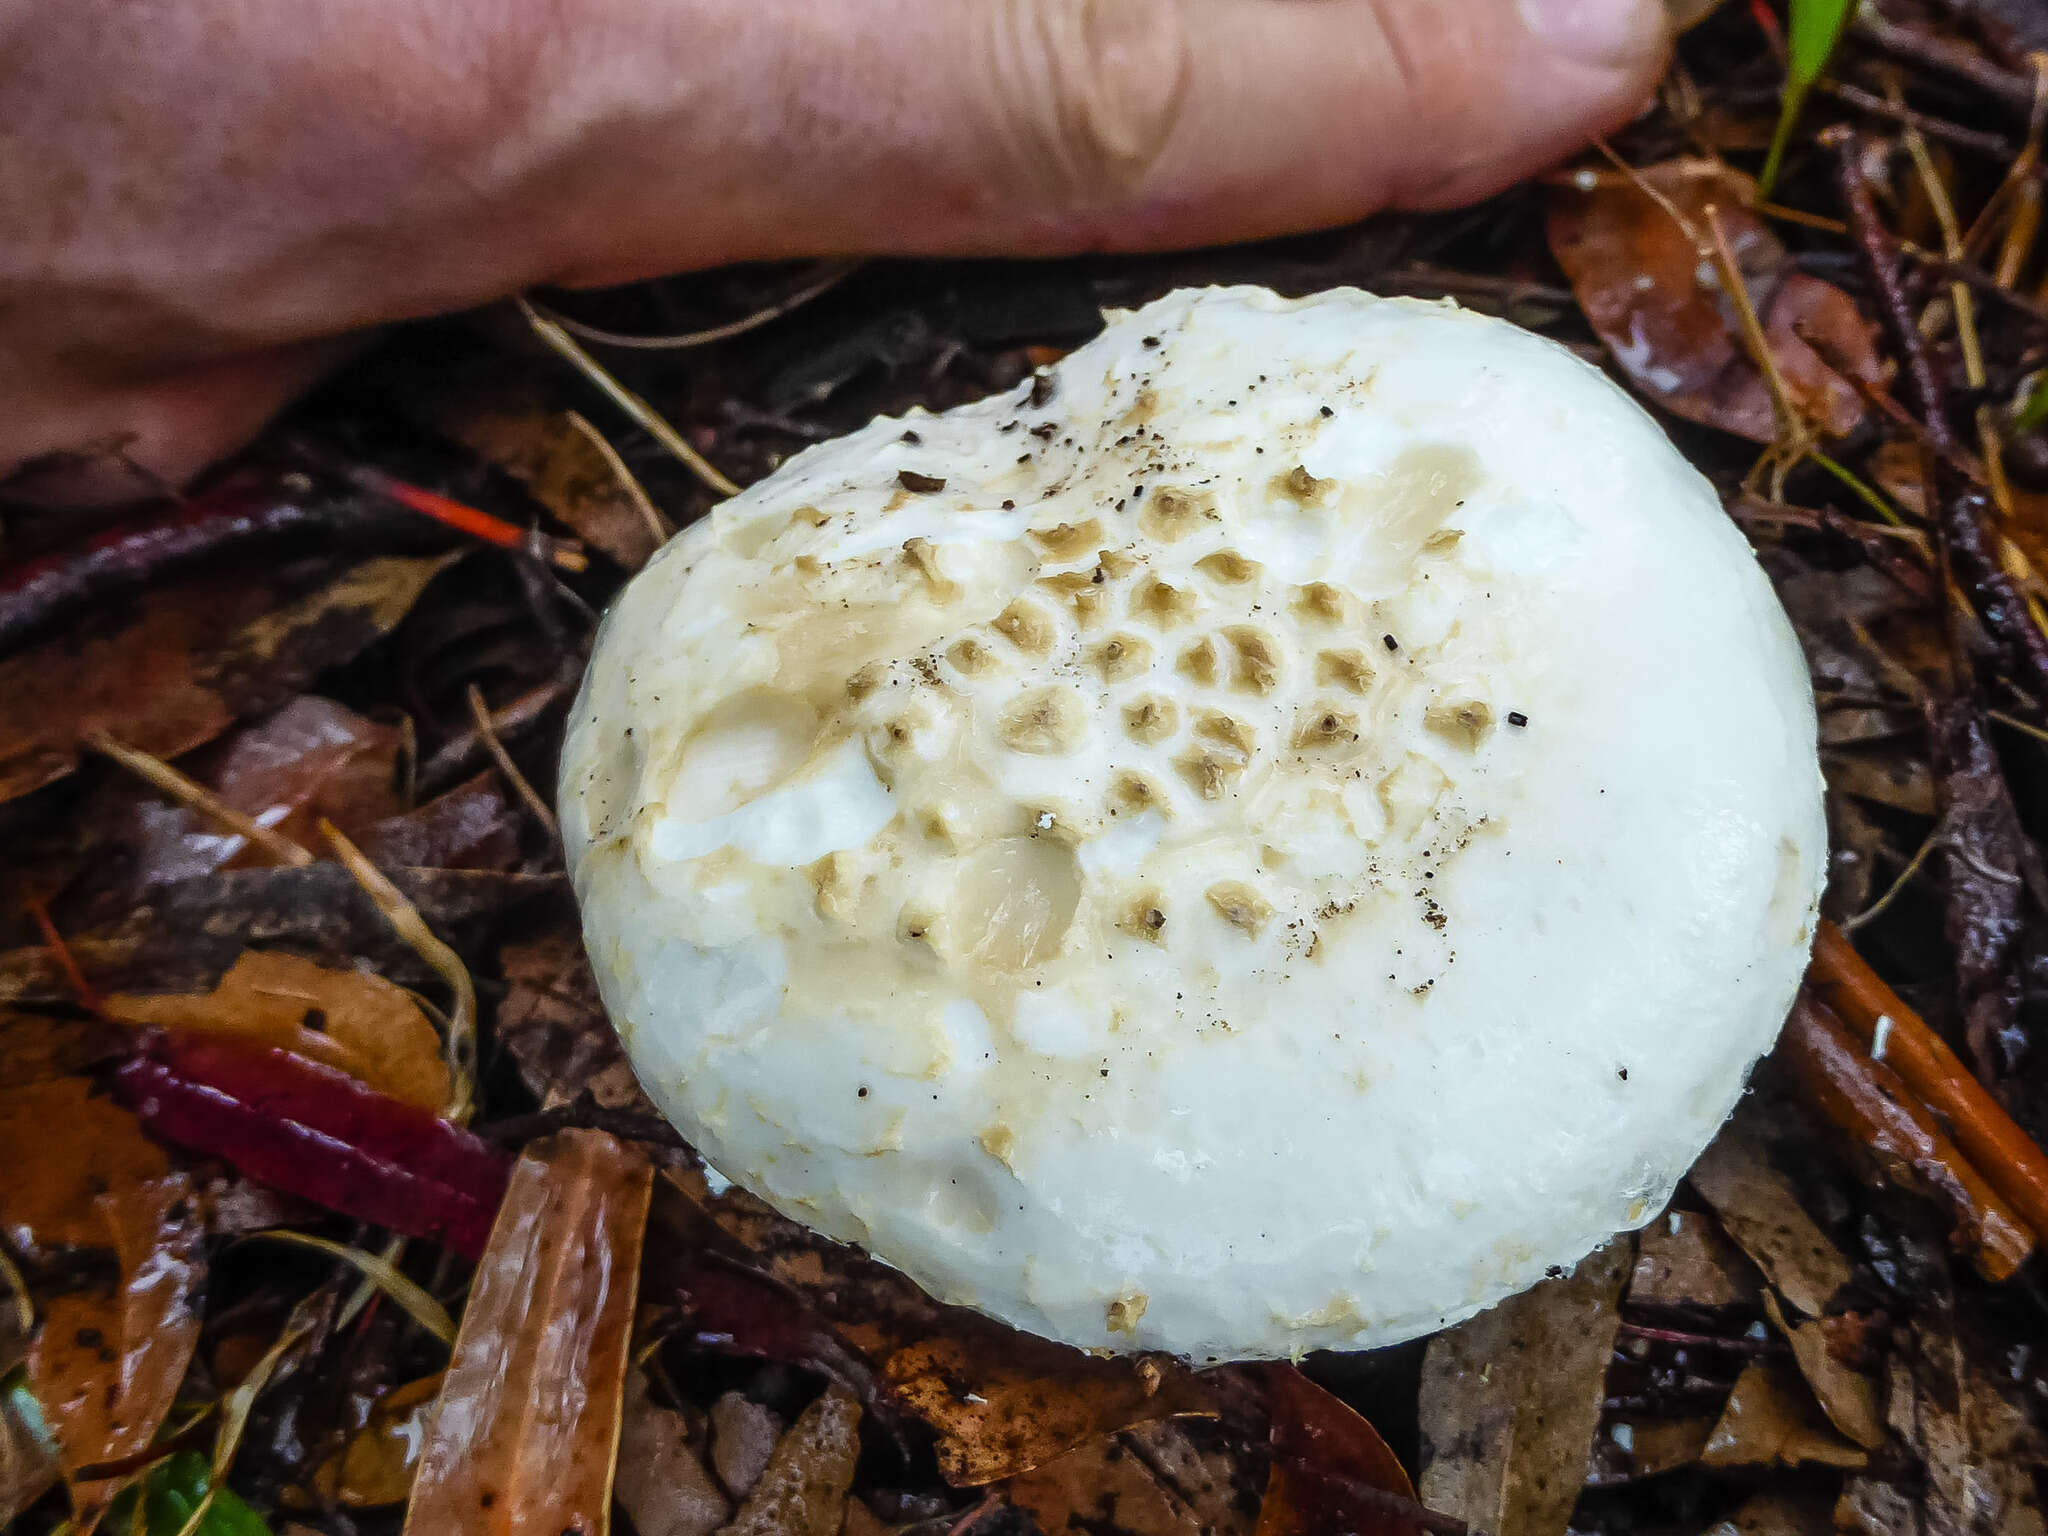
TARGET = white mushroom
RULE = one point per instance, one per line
(1269, 836)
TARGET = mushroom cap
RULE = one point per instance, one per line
(1271, 835)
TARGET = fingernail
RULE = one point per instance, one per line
(1603, 32)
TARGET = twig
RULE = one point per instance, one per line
(1739, 1344)
(53, 941)
(458, 755)
(1995, 145)
(657, 525)
(1962, 511)
(833, 274)
(406, 922)
(1949, 56)
(1891, 894)
(1866, 1099)
(644, 415)
(582, 1114)
(526, 792)
(161, 775)
(565, 554)
(2003, 1153)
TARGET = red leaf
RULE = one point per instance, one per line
(1327, 1463)
(317, 1133)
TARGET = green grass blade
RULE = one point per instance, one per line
(1816, 27)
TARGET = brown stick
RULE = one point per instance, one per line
(1866, 1099)
(2007, 1157)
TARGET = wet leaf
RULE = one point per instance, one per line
(529, 1414)
(662, 1484)
(319, 1134)
(107, 1364)
(1759, 1208)
(191, 933)
(1172, 1477)
(472, 826)
(175, 1488)
(188, 661)
(567, 473)
(28, 1450)
(47, 1199)
(1510, 1401)
(1647, 1447)
(1657, 301)
(554, 1026)
(377, 1466)
(1772, 1419)
(1684, 1260)
(1327, 1461)
(353, 1021)
(1845, 1394)
(802, 1490)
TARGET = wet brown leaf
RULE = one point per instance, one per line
(377, 1466)
(1647, 1447)
(1684, 1260)
(35, 1046)
(802, 1490)
(1510, 1400)
(352, 1020)
(1759, 1208)
(1772, 1419)
(566, 473)
(1173, 1477)
(1659, 304)
(48, 1196)
(1845, 1394)
(472, 826)
(662, 1484)
(28, 1453)
(1785, 1514)
(556, 1029)
(528, 1423)
(107, 1364)
(1327, 1461)
(188, 661)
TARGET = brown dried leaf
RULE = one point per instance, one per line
(48, 1198)
(1785, 1514)
(528, 1423)
(1173, 1477)
(28, 1454)
(1326, 1461)
(662, 1484)
(566, 473)
(377, 1466)
(352, 1020)
(1759, 1208)
(743, 1437)
(1981, 1451)
(1634, 1448)
(472, 826)
(1002, 1402)
(1657, 301)
(1511, 1399)
(555, 1027)
(1846, 1395)
(35, 1046)
(1684, 1260)
(1772, 1419)
(107, 1365)
(802, 1491)
(188, 661)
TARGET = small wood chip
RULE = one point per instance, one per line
(802, 1492)
(743, 1436)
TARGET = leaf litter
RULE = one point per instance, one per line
(378, 621)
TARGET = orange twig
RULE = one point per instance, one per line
(82, 989)
(1867, 1099)
(2007, 1157)
(466, 519)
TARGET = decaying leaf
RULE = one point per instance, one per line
(472, 826)
(1758, 1207)
(1771, 1418)
(555, 1027)
(568, 474)
(528, 1423)
(1510, 1400)
(1845, 1394)
(107, 1364)
(1172, 1477)
(802, 1490)
(376, 1467)
(189, 660)
(1658, 301)
(1982, 1452)
(48, 1195)
(1684, 1260)
(662, 1482)
(1784, 1514)
(352, 1020)
(1328, 1463)
(1647, 1447)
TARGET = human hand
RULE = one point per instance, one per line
(202, 200)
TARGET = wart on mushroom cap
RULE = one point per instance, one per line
(970, 782)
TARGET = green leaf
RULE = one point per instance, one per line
(1816, 27)
(174, 1489)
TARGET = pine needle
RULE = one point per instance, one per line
(381, 1272)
